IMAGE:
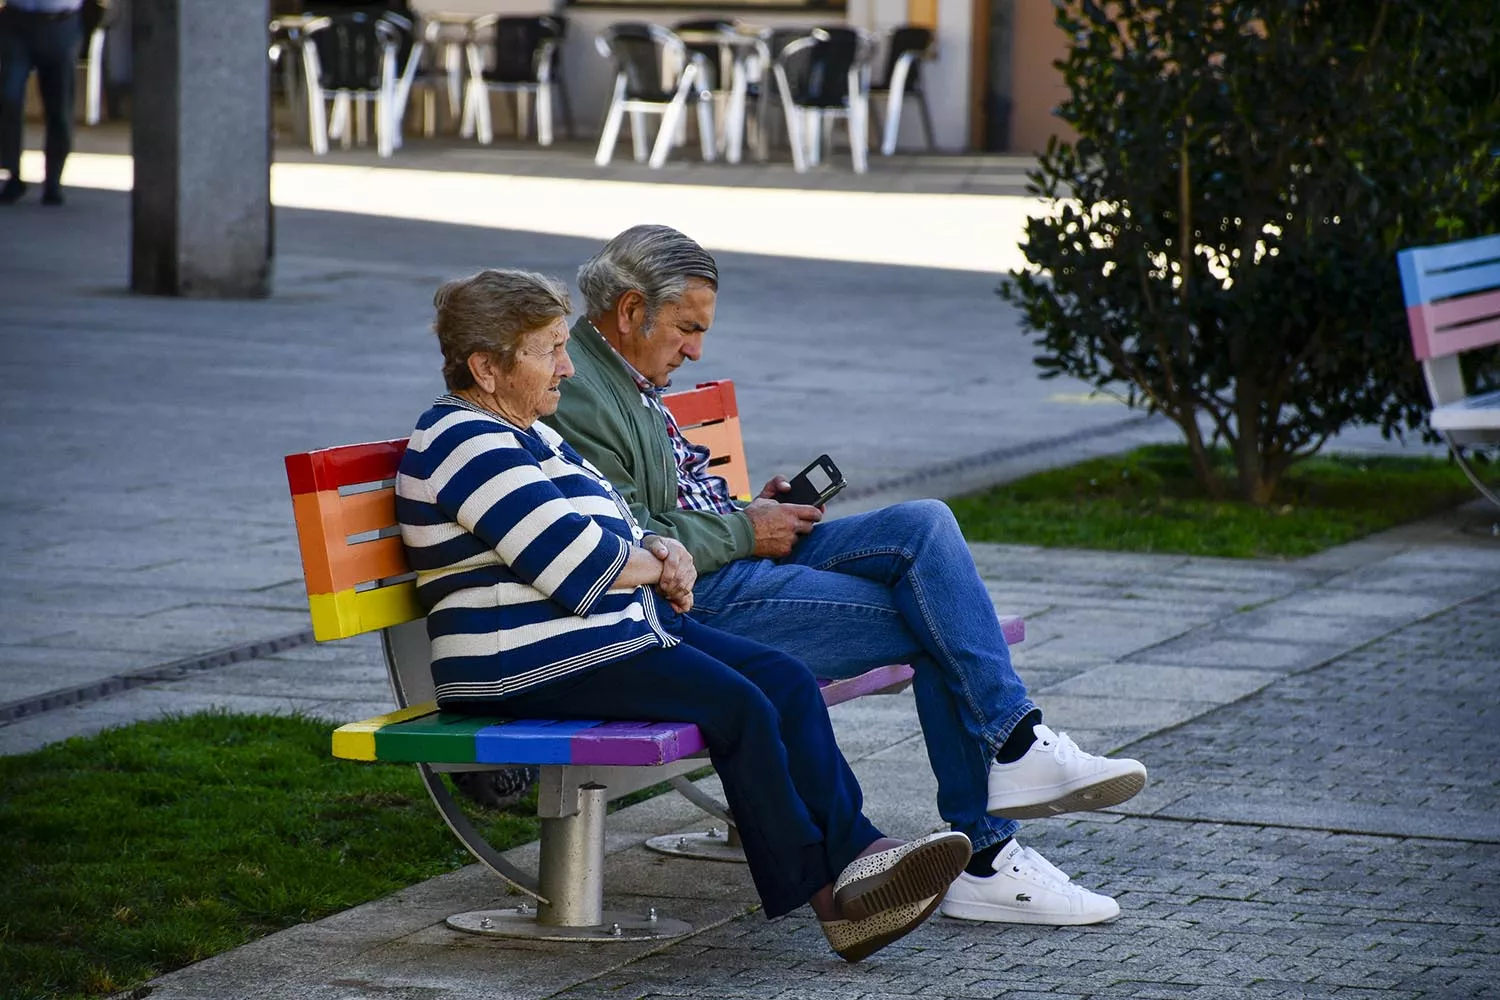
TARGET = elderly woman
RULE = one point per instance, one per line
(545, 598)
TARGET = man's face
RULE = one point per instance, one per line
(676, 335)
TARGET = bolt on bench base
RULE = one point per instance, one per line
(521, 922)
(710, 846)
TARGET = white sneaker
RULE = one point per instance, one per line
(1056, 777)
(1025, 889)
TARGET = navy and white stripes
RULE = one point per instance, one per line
(515, 540)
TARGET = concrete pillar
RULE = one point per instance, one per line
(201, 207)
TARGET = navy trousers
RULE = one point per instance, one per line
(798, 806)
(50, 46)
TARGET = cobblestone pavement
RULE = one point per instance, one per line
(1335, 835)
(1320, 822)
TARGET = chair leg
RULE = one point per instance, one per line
(483, 124)
(429, 112)
(859, 132)
(544, 114)
(734, 118)
(666, 136)
(794, 122)
(893, 101)
(567, 107)
(638, 136)
(453, 57)
(612, 122)
(317, 119)
(93, 95)
(523, 114)
(812, 133)
(339, 125)
(466, 123)
(707, 136)
(358, 132)
(926, 121)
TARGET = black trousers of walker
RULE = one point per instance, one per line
(48, 44)
(798, 806)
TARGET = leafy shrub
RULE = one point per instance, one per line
(1222, 244)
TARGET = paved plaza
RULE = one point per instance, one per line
(1323, 815)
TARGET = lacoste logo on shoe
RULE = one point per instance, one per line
(1021, 897)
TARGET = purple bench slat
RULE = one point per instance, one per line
(636, 743)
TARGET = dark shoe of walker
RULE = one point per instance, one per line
(12, 191)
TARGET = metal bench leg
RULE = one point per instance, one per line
(572, 880)
(710, 845)
(1470, 471)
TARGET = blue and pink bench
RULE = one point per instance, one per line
(358, 582)
(1452, 295)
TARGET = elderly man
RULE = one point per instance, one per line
(894, 585)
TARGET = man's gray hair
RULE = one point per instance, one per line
(657, 261)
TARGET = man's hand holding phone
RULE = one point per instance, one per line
(778, 525)
(788, 508)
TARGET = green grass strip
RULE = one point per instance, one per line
(145, 848)
(1148, 501)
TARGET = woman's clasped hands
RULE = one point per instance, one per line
(678, 574)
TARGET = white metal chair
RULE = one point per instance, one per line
(354, 58)
(523, 60)
(96, 23)
(654, 74)
(823, 77)
(909, 47)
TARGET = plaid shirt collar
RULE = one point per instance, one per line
(696, 488)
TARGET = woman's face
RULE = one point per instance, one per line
(530, 389)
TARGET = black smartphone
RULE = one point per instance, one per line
(815, 485)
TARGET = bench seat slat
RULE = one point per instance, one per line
(438, 737)
(1477, 413)
(637, 743)
(530, 741)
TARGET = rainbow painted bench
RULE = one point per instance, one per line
(358, 581)
(1452, 293)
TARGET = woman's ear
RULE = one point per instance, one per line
(484, 370)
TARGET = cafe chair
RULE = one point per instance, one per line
(821, 78)
(519, 56)
(654, 74)
(355, 59)
(908, 48)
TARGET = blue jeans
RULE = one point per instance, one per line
(49, 46)
(797, 805)
(896, 585)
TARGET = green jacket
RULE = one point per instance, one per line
(602, 416)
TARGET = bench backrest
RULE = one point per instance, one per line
(1452, 293)
(344, 501)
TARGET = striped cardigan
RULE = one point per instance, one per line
(515, 540)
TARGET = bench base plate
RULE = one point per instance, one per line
(710, 846)
(521, 922)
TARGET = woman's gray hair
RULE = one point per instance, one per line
(657, 261)
(491, 311)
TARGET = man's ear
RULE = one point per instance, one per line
(482, 366)
(630, 313)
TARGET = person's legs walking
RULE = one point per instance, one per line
(56, 54)
(15, 67)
